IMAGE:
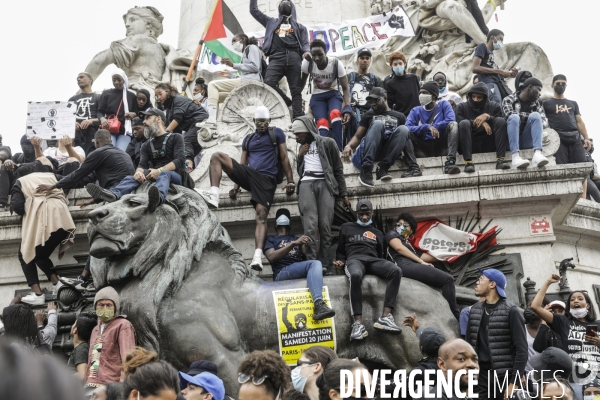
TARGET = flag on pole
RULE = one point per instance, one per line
(220, 29)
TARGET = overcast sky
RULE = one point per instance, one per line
(47, 43)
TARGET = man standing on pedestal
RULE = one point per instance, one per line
(87, 108)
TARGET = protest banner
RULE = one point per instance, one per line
(51, 119)
(296, 328)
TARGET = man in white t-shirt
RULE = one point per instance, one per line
(69, 158)
(321, 182)
(327, 103)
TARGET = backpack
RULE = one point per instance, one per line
(335, 73)
(263, 63)
(246, 144)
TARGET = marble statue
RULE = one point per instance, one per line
(145, 61)
(190, 295)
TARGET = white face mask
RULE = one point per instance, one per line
(198, 96)
(425, 99)
(579, 312)
(238, 46)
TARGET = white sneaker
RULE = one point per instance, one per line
(256, 263)
(34, 299)
(518, 162)
(56, 287)
(538, 159)
(209, 197)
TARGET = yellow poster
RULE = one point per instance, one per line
(297, 329)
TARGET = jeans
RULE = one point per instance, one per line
(495, 94)
(312, 270)
(317, 206)
(447, 144)
(42, 258)
(476, 140)
(326, 107)
(287, 63)
(379, 147)
(530, 137)
(121, 141)
(165, 178)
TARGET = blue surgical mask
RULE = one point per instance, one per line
(358, 221)
(443, 90)
(497, 45)
(298, 381)
(398, 70)
(590, 397)
(282, 220)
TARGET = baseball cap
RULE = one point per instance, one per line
(209, 382)
(557, 303)
(495, 276)
(553, 359)
(364, 52)
(376, 93)
(364, 203)
(431, 339)
(137, 121)
(595, 383)
(154, 111)
(200, 366)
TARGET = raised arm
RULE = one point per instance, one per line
(536, 304)
(258, 15)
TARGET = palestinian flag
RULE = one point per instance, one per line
(220, 29)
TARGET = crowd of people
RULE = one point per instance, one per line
(124, 139)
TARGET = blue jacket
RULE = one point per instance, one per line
(419, 116)
(271, 25)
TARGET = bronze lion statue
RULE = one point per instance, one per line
(191, 296)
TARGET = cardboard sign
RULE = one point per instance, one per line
(297, 330)
(51, 119)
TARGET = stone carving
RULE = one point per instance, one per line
(190, 295)
(145, 61)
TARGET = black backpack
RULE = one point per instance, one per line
(246, 144)
(263, 63)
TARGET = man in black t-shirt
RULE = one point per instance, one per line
(87, 108)
(360, 250)
(361, 82)
(81, 331)
(564, 117)
(382, 137)
(167, 154)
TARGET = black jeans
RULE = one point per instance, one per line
(42, 257)
(288, 64)
(356, 269)
(476, 140)
(66, 169)
(432, 277)
(192, 146)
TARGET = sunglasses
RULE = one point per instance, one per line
(301, 363)
(243, 378)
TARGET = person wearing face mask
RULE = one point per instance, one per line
(488, 72)
(200, 93)
(445, 93)
(111, 340)
(591, 391)
(525, 121)
(286, 43)
(522, 76)
(415, 265)
(481, 127)
(402, 88)
(433, 128)
(360, 252)
(310, 366)
(381, 136)
(286, 253)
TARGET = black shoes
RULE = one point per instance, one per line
(382, 173)
(411, 173)
(450, 167)
(366, 177)
(321, 311)
(98, 192)
(501, 164)
(469, 168)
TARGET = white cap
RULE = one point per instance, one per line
(557, 303)
(261, 112)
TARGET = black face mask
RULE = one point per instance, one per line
(530, 315)
(559, 89)
(285, 8)
(477, 105)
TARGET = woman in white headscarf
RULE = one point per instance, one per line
(121, 103)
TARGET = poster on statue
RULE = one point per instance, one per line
(296, 328)
(51, 119)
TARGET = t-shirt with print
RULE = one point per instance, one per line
(79, 355)
(392, 119)
(585, 355)
(279, 242)
(487, 61)
(561, 114)
(325, 79)
(360, 91)
(60, 156)
(284, 39)
(87, 105)
(262, 154)
(312, 163)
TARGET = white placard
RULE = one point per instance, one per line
(51, 119)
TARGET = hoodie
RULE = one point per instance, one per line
(419, 116)
(271, 24)
(330, 160)
(447, 94)
(466, 110)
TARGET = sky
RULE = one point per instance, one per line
(47, 43)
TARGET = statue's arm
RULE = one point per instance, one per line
(99, 63)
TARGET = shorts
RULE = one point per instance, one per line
(261, 188)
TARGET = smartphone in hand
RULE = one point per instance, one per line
(591, 330)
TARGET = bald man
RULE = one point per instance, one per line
(457, 355)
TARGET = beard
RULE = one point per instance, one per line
(151, 130)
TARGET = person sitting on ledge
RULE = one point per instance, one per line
(286, 253)
(134, 148)
(445, 94)
(402, 87)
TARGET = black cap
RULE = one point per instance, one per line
(559, 77)
(532, 82)
(595, 384)
(431, 339)
(432, 88)
(154, 111)
(553, 359)
(137, 121)
(364, 52)
(377, 93)
(362, 204)
(200, 366)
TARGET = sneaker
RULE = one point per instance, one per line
(56, 287)
(34, 300)
(382, 173)
(210, 198)
(153, 198)
(256, 263)
(359, 331)
(366, 177)
(501, 164)
(538, 160)
(518, 162)
(76, 283)
(98, 192)
(450, 167)
(321, 311)
(411, 173)
(470, 168)
(386, 324)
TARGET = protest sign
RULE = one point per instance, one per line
(296, 328)
(51, 119)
